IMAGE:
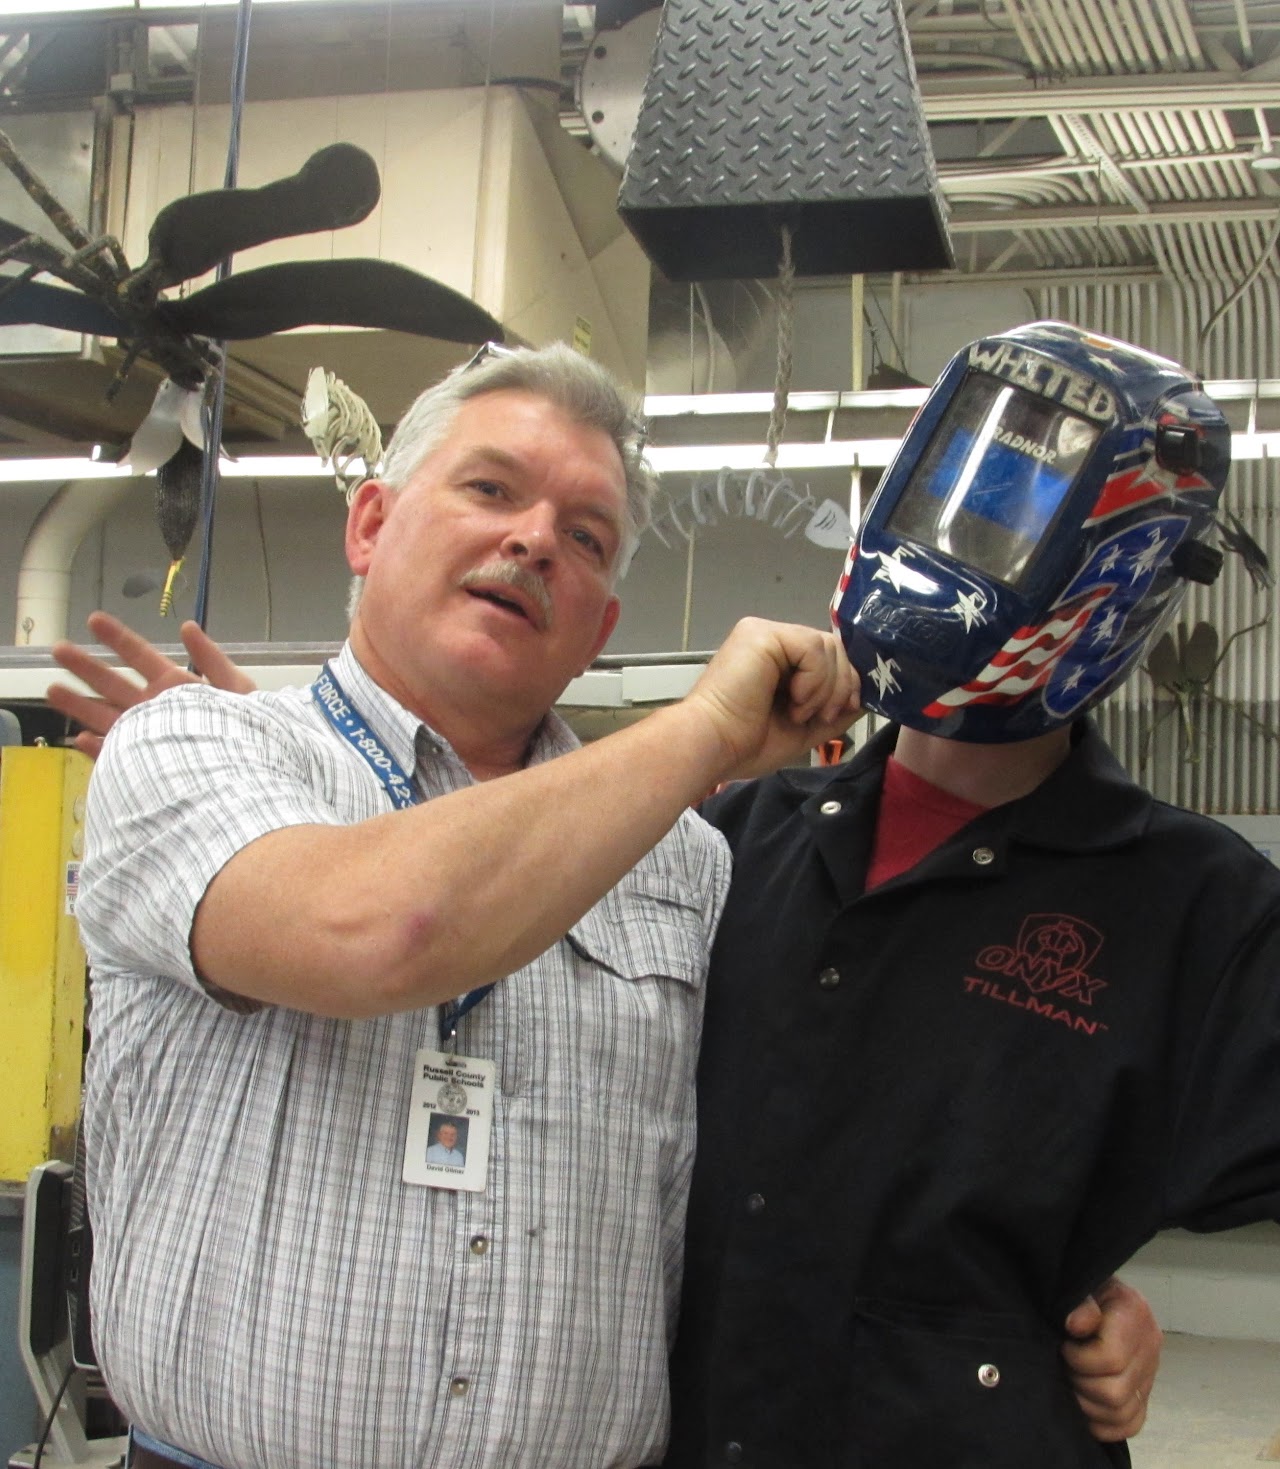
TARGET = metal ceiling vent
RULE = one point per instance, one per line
(760, 112)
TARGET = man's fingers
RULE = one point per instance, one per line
(208, 659)
(106, 682)
(96, 715)
(1085, 1320)
(1114, 1407)
(1113, 1366)
(144, 657)
(822, 683)
(812, 681)
(88, 744)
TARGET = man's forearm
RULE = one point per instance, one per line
(415, 907)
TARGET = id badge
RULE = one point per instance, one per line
(450, 1118)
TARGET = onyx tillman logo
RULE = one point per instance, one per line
(1050, 963)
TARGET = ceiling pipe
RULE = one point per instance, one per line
(44, 576)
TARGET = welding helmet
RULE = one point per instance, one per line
(1036, 530)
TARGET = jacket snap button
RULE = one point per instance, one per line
(983, 856)
(733, 1452)
(755, 1203)
(829, 808)
(989, 1375)
(828, 979)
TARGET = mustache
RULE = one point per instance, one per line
(520, 579)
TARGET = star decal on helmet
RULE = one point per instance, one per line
(891, 567)
(969, 605)
(882, 676)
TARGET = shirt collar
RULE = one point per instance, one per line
(402, 733)
(1088, 804)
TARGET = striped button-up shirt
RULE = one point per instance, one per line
(268, 1292)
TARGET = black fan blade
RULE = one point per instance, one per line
(36, 304)
(335, 187)
(373, 293)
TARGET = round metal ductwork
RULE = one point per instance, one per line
(611, 84)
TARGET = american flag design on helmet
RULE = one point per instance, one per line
(1033, 534)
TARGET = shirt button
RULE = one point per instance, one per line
(829, 979)
(755, 1203)
(458, 1387)
(733, 1452)
(989, 1375)
(828, 808)
(983, 856)
(479, 1245)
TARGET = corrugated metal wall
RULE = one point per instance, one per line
(1221, 750)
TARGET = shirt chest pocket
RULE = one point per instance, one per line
(638, 964)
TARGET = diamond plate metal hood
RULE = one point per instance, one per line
(762, 111)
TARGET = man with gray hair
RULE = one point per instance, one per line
(318, 916)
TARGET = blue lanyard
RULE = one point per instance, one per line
(342, 713)
(346, 719)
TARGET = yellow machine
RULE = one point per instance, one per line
(42, 966)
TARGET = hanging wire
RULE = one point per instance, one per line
(786, 329)
(1254, 272)
(888, 329)
(216, 388)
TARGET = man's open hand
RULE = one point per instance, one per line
(116, 692)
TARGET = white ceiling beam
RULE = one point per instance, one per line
(1088, 216)
(983, 98)
(1088, 143)
(960, 176)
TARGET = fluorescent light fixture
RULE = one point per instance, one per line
(670, 405)
(277, 466)
(70, 7)
(33, 471)
(667, 405)
(694, 458)
(669, 459)
(53, 7)
(263, 466)
(1230, 388)
(1255, 446)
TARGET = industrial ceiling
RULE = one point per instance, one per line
(1075, 139)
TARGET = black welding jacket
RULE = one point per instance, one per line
(932, 1117)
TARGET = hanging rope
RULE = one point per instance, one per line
(786, 328)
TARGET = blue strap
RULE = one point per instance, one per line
(342, 713)
(348, 721)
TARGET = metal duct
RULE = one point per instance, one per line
(760, 112)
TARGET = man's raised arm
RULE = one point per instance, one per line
(413, 907)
